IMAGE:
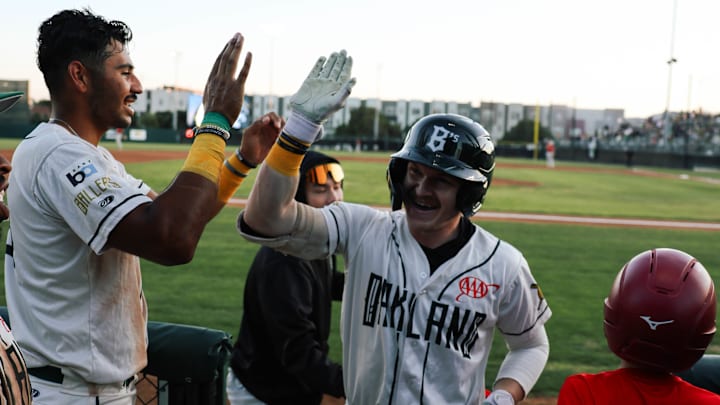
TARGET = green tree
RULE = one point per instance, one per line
(362, 124)
(523, 132)
(148, 120)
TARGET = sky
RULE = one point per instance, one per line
(592, 54)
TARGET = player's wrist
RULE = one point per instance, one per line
(217, 119)
(499, 397)
(302, 128)
(205, 157)
(234, 170)
(287, 154)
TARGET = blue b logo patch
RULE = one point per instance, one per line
(79, 174)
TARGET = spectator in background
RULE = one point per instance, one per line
(281, 353)
(659, 319)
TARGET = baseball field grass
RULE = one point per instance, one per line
(574, 264)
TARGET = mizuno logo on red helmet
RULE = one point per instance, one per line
(654, 324)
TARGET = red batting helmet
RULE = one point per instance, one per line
(661, 310)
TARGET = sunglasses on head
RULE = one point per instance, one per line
(319, 174)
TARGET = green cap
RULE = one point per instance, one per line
(7, 100)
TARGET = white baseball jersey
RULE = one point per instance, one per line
(73, 304)
(412, 337)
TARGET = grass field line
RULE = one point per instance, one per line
(568, 219)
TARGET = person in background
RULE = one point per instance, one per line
(14, 379)
(119, 138)
(81, 222)
(659, 318)
(550, 153)
(281, 353)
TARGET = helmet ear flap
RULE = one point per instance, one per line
(472, 195)
(470, 198)
(395, 176)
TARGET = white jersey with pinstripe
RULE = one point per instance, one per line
(72, 303)
(412, 337)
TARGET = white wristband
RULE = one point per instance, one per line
(301, 128)
(499, 397)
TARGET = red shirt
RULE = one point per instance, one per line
(632, 386)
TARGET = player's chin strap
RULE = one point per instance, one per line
(499, 397)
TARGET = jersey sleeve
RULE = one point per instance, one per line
(88, 191)
(523, 305)
(348, 224)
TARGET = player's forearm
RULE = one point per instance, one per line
(524, 362)
(167, 230)
(271, 208)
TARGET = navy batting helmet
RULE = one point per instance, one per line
(454, 144)
(660, 312)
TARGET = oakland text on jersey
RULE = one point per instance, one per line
(90, 190)
(391, 306)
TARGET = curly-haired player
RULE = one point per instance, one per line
(81, 222)
(425, 287)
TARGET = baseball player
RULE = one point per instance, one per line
(14, 379)
(81, 222)
(425, 287)
(659, 318)
(281, 353)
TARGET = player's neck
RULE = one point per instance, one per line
(74, 115)
(432, 238)
(79, 127)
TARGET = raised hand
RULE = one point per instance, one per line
(224, 93)
(260, 136)
(325, 89)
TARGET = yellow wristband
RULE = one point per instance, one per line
(284, 161)
(206, 156)
(238, 163)
(227, 185)
(232, 175)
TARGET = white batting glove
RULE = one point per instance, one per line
(499, 397)
(323, 92)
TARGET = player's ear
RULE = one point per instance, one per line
(79, 76)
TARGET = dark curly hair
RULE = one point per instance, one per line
(76, 35)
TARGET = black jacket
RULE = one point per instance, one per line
(281, 353)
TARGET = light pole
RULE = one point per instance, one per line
(667, 124)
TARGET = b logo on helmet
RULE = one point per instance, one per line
(436, 141)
